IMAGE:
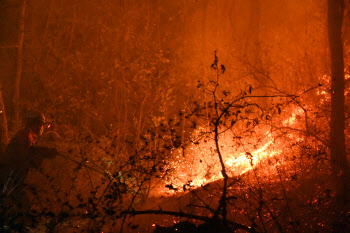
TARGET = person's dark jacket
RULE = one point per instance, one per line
(21, 154)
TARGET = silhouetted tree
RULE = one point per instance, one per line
(337, 123)
(3, 124)
(16, 97)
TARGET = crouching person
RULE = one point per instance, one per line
(20, 156)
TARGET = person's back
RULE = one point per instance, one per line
(19, 150)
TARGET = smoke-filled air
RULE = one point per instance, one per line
(174, 116)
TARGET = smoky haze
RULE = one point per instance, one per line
(174, 116)
(100, 62)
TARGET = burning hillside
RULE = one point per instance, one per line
(198, 164)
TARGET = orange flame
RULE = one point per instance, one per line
(201, 165)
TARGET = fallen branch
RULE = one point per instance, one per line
(186, 215)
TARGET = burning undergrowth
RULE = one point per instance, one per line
(198, 164)
(243, 134)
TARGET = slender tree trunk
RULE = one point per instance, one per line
(337, 136)
(3, 124)
(16, 97)
(254, 34)
(254, 49)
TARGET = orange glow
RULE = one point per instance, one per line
(201, 166)
(295, 117)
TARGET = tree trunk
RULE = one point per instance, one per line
(3, 125)
(16, 97)
(337, 135)
(254, 35)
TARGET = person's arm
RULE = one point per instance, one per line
(45, 152)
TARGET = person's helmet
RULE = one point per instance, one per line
(34, 117)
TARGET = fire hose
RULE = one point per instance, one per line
(82, 164)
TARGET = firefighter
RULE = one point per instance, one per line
(20, 156)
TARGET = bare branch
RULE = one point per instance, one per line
(186, 215)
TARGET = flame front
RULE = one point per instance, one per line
(199, 163)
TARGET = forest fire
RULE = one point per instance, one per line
(174, 116)
(199, 165)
